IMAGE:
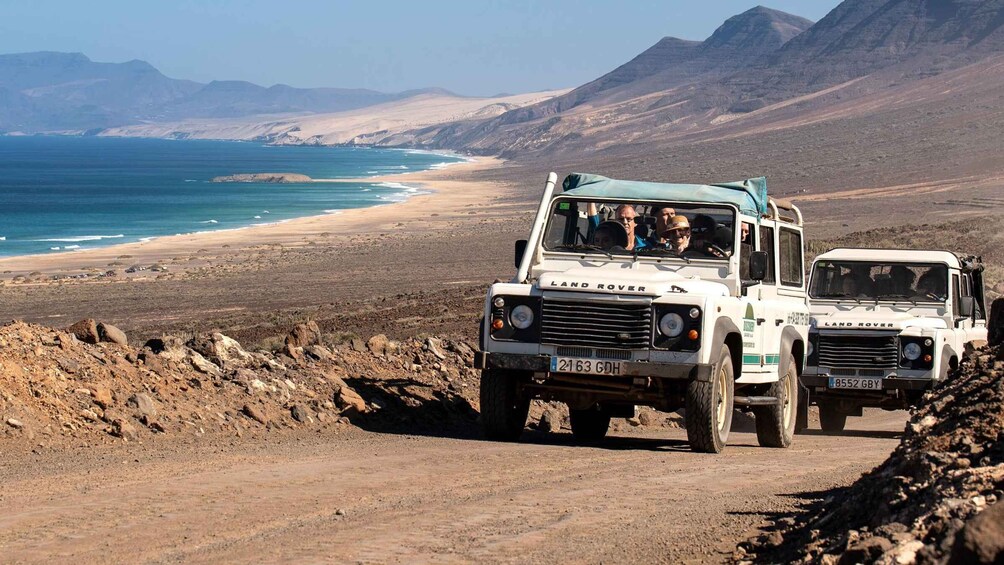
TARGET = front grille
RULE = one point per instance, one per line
(596, 324)
(575, 351)
(853, 352)
(618, 354)
(613, 354)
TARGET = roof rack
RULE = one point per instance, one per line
(776, 207)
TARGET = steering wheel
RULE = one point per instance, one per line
(715, 250)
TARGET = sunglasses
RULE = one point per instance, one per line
(679, 233)
(626, 220)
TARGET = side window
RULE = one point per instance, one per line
(956, 294)
(745, 249)
(790, 242)
(767, 244)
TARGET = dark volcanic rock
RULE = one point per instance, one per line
(940, 481)
(982, 540)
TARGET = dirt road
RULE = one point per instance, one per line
(363, 497)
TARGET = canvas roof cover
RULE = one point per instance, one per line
(750, 196)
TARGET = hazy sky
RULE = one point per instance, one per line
(475, 47)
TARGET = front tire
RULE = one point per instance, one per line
(709, 405)
(831, 419)
(503, 408)
(589, 425)
(775, 425)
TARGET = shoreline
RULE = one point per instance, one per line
(440, 196)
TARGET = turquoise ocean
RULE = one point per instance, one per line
(61, 194)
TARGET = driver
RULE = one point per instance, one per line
(704, 229)
(932, 284)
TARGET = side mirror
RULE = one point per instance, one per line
(758, 265)
(520, 251)
(966, 306)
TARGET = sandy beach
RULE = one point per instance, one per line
(445, 198)
(412, 266)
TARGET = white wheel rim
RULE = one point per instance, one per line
(720, 409)
(788, 394)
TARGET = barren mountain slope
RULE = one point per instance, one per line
(887, 43)
(745, 40)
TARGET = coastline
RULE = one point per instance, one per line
(440, 193)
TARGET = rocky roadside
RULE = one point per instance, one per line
(939, 498)
(87, 385)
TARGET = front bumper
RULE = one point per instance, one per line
(542, 364)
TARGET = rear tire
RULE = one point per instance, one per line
(503, 408)
(995, 325)
(775, 425)
(709, 405)
(802, 420)
(589, 425)
(831, 419)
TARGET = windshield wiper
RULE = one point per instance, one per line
(584, 247)
(660, 252)
(908, 298)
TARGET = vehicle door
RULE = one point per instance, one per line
(761, 304)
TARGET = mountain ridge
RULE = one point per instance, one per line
(56, 91)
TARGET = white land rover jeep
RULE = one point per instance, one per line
(887, 324)
(604, 315)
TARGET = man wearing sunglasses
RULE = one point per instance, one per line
(627, 216)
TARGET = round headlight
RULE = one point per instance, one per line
(499, 302)
(912, 351)
(521, 317)
(928, 342)
(695, 313)
(809, 350)
(671, 325)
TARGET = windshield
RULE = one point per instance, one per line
(914, 282)
(656, 229)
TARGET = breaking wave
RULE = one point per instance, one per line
(82, 238)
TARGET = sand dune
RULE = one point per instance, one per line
(373, 124)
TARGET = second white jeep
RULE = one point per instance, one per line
(887, 324)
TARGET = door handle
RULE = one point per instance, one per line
(778, 321)
(760, 321)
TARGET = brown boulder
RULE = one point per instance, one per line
(102, 396)
(649, 418)
(349, 401)
(550, 421)
(318, 352)
(303, 335)
(123, 429)
(982, 539)
(221, 350)
(111, 334)
(143, 404)
(866, 551)
(86, 331)
(255, 413)
(378, 344)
